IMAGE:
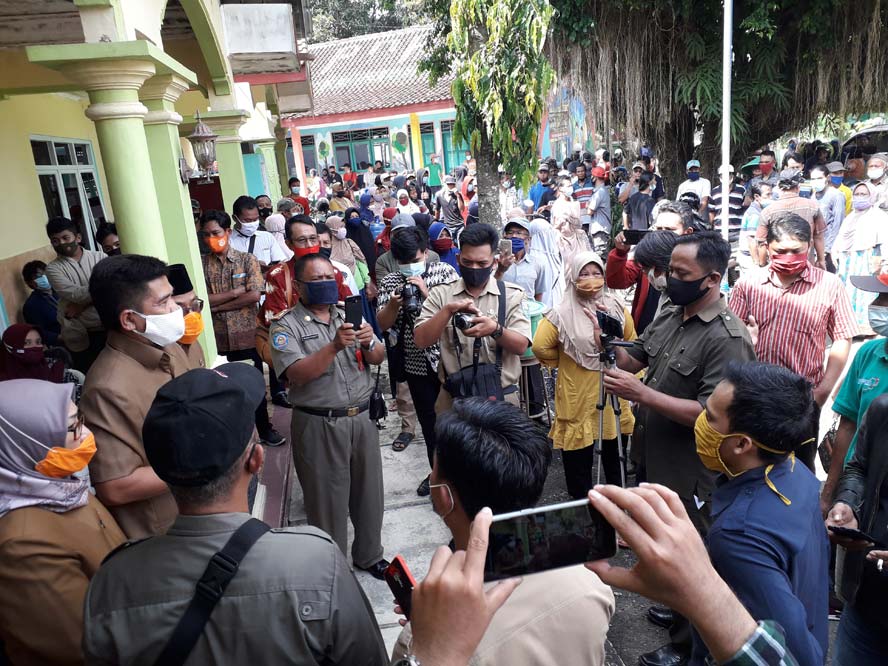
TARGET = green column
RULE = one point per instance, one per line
(159, 94)
(266, 149)
(113, 88)
(229, 159)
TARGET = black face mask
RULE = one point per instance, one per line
(264, 212)
(682, 292)
(114, 252)
(66, 249)
(325, 252)
(475, 277)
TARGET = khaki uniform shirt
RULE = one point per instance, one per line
(298, 334)
(555, 617)
(488, 304)
(293, 600)
(46, 562)
(235, 329)
(70, 280)
(119, 390)
(685, 359)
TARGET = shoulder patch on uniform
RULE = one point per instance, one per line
(279, 341)
(124, 546)
(732, 323)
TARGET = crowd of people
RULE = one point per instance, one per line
(696, 364)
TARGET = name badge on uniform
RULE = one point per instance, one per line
(238, 275)
(313, 336)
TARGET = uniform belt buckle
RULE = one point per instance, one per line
(352, 411)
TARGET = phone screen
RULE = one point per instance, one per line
(546, 538)
(505, 246)
(354, 313)
(634, 236)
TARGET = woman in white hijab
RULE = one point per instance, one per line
(565, 340)
(544, 245)
(573, 240)
(405, 205)
(54, 533)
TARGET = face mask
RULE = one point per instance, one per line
(658, 282)
(694, 175)
(874, 173)
(818, 184)
(517, 245)
(248, 228)
(566, 191)
(425, 181)
(442, 245)
(218, 243)
(475, 277)
(414, 269)
(326, 252)
(878, 319)
(449, 495)
(403, 201)
(265, 212)
(789, 264)
(42, 282)
(377, 197)
(193, 328)
(114, 252)
(295, 190)
(61, 462)
(507, 184)
(764, 203)
(589, 286)
(861, 202)
(29, 356)
(340, 233)
(66, 249)
(683, 292)
(354, 221)
(766, 167)
(836, 180)
(322, 292)
(470, 187)
(163, 329)
(302, 251)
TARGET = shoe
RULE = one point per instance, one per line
(664, 656)
(423, 489)
(272, 438)
(376, 570)
(280, 399)
(402, 441)
(662, 617)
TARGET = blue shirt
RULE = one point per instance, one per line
(41, 310)
(537, 191)
(774, 557)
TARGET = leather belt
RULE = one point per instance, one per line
(329, 413)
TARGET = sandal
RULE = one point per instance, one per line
(402, 441)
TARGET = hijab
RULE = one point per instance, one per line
(566, 221)
(345, 251)
(18, 363)
(384, 240)
(409, 207)
(575, 329)
(863, 230)
(275, 224)
(34, 410)
(544, 246)
(451, 255)
(359, 231)
(423, 220)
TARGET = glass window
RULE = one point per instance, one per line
(50, 188)
(362, 154)
(308, 156)
(93, 200)
(81, 152)
(63, 153)
(343, 156)
(42, 152)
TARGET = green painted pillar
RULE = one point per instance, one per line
(113, 88)
(266, 149)
(159, 95)
(280, 154)
(229, 159)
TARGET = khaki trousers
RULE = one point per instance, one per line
(339, 467)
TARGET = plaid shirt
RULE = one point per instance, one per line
(235, 329)
(766, 647)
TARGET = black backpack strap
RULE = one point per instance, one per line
(252, 244)
(501, 320)
(220, 571)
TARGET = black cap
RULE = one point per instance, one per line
(201, 422)
(877, 284)
(177, 274)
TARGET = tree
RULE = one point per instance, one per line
(502, 81)
(653, 67)
(339, 19)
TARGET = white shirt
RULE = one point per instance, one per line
(701, 187)
(266, 249)
(347, 277)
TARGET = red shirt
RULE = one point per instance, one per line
(275, 304)
(302, 201)
(794, 322)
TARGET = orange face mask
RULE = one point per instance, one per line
(217, 243)
(61, 462)
(589, 286)
(193, 328)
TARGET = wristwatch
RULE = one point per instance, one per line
(408, 660)
(498, 333)
(372, 345)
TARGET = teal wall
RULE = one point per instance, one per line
(253, 169)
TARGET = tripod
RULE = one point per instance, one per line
(608, 359)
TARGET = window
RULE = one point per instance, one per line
(69, 183)
(454, 154)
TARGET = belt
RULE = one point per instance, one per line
(348, 411)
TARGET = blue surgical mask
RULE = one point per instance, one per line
(295, 190)
(836, 180)
(322, 292)
(414, 269)
(878, 319)
(517, 245)
(693, 175)
(42, 282)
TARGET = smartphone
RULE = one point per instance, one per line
(505, 247)
(848, 533)
(354, 311)
(634, 236)
(401, 582)
(548, 537)
(609, 325)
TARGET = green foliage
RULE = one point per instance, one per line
(339, 19)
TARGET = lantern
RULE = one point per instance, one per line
(203, 141)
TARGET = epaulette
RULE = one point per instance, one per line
(123, 546)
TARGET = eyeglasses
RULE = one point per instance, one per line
(77, 428)
(194, 306)
(520, 233)
(309, 241)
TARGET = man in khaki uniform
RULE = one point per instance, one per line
(335, 445)
(476, 294)
(292, 599)
(135, 302)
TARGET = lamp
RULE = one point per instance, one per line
(203, 141)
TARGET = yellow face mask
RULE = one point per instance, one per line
(61, 462)
(709, 440)
(589, 286)
(193, 328)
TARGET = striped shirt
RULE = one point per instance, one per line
(735, 209)
(795, 321)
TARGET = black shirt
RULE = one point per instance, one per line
(638, 210)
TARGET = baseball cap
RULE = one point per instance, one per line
(177, 274)
(639, 165)
(403, 220)
(876, 283)
(449, 180)
(543, 167)
(790, 177)
(728, 167)
(598, 172)
(834, 167)
(201, 422)
(520, 221)
(692, 163)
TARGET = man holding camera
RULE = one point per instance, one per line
(479, 324)
(401, 295)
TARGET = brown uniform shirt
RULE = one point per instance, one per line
(685, 359)
(235, 329)
(488, 304)
(119, 390)
(806, 208)
(46, 562)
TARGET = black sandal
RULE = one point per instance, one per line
(402, 441)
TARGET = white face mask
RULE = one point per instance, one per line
(340, 233)
(248, 228)
(449, 495)
(295, 190)
(874, 173)
(658, 283)
(414, 269)
(163, 329)
(878, 319)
